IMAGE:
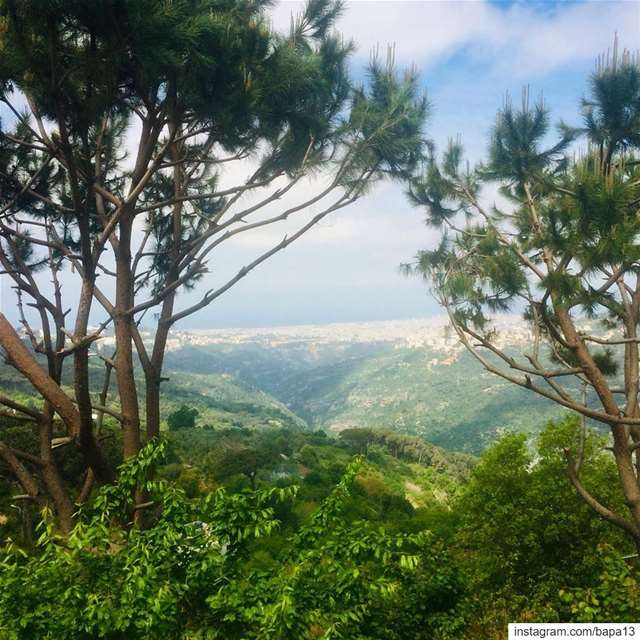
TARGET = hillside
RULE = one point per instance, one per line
(409, 377)
(417, 474)
(453, 404)
(224, 401)
(220, 398)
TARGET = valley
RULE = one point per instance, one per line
(412, 377)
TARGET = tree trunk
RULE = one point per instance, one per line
(124, 343)
(62, 503)
(154, 375)
(621, 440)
(23, 360)
(152, 382)
(626, 473)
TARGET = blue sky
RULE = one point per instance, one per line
(468, 55)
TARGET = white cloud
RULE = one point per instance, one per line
(519, 38)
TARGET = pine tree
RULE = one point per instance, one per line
(565, 251)
(196, 88)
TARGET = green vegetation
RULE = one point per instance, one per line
(291, 495)
(297, 559)
(454, 404)
(400, 390)
(182, 418)
(221, 399)
(124, 158)
(304, 536)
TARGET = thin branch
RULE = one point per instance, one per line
(26, 187)
(286, 241)
(599, 508)
(527, 383)
(21, 408)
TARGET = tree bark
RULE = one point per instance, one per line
(154, 374)
(62, 503)
(25, 362)
(621, 443)
(22, 474)
(124, 342)
(22, 359)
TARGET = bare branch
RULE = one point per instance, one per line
(286, 241)
(22, 408)
(527, 383)
(29, 367)
(599, 508)
(23, 475)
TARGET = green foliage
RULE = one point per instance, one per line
(391, 116)
(410, 448)
(423, 607)
(564, 248)
(585, 209)
(615, 597)
(127, 582)
(421, 391)
(612, 112)
(530, 534)
(214, 66)
(528, 513)
(223, 400)
(380, 547)
(190, 574)
(514, 151)
(182, 418)
(242, 460)
(392, 544)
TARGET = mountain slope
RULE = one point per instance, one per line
(452, 403)
(441, 394)
(223, 401)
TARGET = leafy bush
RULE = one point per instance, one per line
(614, 598)
(182, 418)
(197, 572)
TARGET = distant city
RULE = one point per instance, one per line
(433, 333)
